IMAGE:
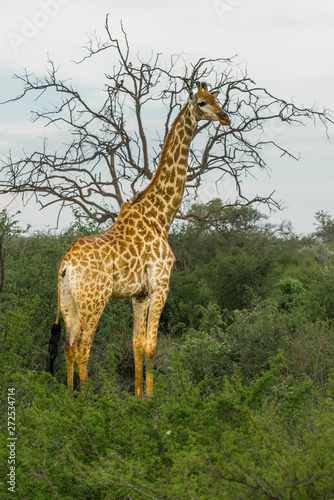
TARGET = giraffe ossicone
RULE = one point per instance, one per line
(133, 257)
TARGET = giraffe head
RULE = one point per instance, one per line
(204, 106)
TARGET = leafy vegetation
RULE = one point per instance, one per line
(243, 399)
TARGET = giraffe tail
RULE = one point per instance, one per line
(53, 342)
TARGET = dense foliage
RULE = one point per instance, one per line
(244, 385)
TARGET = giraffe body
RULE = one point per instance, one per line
(133, 257)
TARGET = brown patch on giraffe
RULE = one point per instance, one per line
(127, 255)
(188, 121)
(176, 153)
(170, 190)
(133, 250)
(149, 237)
(137, 240)
(169, 160)
(148, 248)
(142, 230)
(180, 172)
(130, 231)
(172, 175)
(145, 203)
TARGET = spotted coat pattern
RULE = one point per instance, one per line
(133, 257)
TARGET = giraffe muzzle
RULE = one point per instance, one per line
(224, 119)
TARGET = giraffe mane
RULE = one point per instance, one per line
(163, 157)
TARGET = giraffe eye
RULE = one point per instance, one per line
(202, 103)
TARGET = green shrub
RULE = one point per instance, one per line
(235, 443)
(243, 396)
(205, 352)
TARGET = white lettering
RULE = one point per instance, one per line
(28, 29)
(16, 41)
(235, 3)
(40, 19)
(223, 8)
(51, 7)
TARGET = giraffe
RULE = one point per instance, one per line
(133, 257)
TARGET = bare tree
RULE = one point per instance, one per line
(112, 153)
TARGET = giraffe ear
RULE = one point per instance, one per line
(191, 96)
(199, 86)
(215, 93)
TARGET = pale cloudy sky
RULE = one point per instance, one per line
(287, 47)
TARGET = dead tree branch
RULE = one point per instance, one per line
(112, 150)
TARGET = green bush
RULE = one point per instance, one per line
(236, 442)
(243, 396)
(205, 352)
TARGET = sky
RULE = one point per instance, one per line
(287, 47)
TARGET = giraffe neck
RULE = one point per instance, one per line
(163, 195)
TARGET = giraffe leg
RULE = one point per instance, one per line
(157, 303)
(140, 308)
(83, 343)
(70, 365)
(79, 336)
(81, 313)
(71, 320)
(82, 357)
